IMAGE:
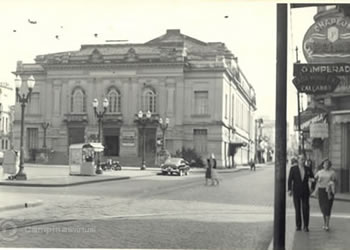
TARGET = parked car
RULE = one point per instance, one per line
(175, 166)
(1, 157)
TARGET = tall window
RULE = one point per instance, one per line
(226, 106)
(232, 109)
(200, 138)
(34, 105)
(33, 138)
(201, 102)
(7, 124)
(114, 100)
(78, 104)
(149, 101)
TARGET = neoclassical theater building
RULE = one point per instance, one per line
(197, 85)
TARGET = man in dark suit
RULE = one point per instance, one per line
(298, 186)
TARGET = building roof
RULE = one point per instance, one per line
(170, 46)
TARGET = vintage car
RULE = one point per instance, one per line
(175, 166)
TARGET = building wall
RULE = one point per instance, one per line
(7, 100)
(176, 88)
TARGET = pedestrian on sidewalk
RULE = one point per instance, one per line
(325, 182)
(214, 173)
(252, 165)
(298, 186)
(208, 172)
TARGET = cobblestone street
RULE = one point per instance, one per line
(151, 212)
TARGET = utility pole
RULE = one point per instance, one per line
(301, 149)
(281, 131)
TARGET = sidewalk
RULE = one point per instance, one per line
(317, 238)
(58, 176)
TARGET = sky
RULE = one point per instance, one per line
(249, 32)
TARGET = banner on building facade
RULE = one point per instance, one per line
(319, 130)
(128, 138)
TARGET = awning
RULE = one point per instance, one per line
(232, 147)
(307, 117)
(340, 117)
(98, 147)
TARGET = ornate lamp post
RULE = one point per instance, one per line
(163, 126)
(23, 99)
(258, 129)
(143, 119)
(45, 125)
(99, 115)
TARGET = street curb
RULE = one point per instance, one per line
(231, 171)
(60, 185)
(22, 205)
(23, 184)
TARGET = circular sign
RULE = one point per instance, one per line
(328, 40)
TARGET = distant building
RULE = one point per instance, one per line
(199, 86)
(7, 101)
(268, 140)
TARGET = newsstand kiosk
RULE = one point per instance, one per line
(82, 158)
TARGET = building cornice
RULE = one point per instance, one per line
(110, 66)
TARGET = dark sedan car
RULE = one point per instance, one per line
(175, 166)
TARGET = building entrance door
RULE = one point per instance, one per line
(150, 142)
(76, 135)
(111, 144)
(111, 138)
(345, 168)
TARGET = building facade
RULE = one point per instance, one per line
(325, 123)
(7, 100)
(198, 86)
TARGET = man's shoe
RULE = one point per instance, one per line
(298, 228)
(306, 229)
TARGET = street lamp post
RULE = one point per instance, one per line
(45, 125)
(23, 99)
(143, 120)
(163, 126)
(99, 115)
(258, 128)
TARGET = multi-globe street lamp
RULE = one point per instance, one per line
(23, 98)
(163, 126)
(99, 115)
(142, 120)
(45, 125)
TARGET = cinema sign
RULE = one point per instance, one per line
(316, 84)
(328, 40)
(323, 69)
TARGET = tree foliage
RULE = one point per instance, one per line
(190, 155)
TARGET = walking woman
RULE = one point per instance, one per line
(214, 174)
(325, 181)
(208, 172)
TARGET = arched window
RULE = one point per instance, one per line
(78, 104)
(114, 99)
(149, 101)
